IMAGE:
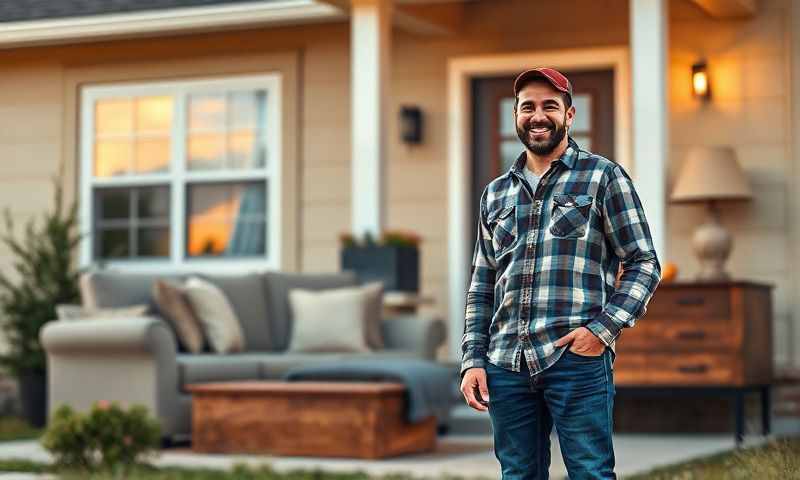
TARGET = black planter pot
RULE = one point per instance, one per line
(397, 267)
(33, 397)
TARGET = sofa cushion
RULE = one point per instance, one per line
(374, 315)
(246, 295)
(278, 284)
(395, 354)
(333, 320)
(110, 289)
(275, 365)
(221, 326)
(209, 367)
(171, 299)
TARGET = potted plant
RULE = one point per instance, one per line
(44, 275)
(392, 259)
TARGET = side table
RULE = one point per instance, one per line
(396, 302)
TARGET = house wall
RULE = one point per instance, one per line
(748, 64)
(749, 68)
(38, 121)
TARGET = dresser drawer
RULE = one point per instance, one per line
(663, 333)
(659, 368)
(708, 303)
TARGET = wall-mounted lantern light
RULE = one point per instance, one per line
(411, 125)
(700, 84)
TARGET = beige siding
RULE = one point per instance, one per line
(747, 58)
(30, 145)
(326, 152)
(748, 65)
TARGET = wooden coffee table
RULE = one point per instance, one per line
(320, 419)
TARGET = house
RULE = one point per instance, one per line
(250, 134)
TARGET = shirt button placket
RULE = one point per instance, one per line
(527, 277)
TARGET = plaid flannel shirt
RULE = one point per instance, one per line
(546, 262)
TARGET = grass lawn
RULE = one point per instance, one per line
(778, 460)
(238, 473)
(14, 428)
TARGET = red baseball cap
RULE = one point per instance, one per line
(556, 79)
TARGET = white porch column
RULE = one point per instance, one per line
(370, 49)
(649, 51)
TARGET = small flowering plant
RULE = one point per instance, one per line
(399, 238)
(108, 437)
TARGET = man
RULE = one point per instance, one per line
(542, 310)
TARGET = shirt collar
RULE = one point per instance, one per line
(568, 158)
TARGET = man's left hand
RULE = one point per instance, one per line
(584, 342)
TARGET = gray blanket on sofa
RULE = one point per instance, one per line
(430, 388)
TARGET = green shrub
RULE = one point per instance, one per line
(44, 275)
(107, 437)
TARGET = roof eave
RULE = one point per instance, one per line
(157, 22)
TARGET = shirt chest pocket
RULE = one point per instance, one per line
(570, 215)
(503, 224)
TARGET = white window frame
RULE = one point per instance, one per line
(179, 177)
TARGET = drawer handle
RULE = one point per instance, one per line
(691, 301)
(692, 335)
(693, 368)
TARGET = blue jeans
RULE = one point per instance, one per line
(576, 394)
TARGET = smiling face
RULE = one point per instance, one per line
(542, 117)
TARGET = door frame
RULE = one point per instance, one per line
(460, 72)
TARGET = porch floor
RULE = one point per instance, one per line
(465, 455)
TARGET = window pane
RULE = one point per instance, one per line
(154, 114)
(509, 152)
(207, 112)
(113, 116)
(113, 204)
(139, 211)
(153, 242)
(153, 203)
(583, 113)
(206, 151)
(112, 158)
(246, 107)
(226, 219)
(113, 243)
(152, 155)
(244, 151)
(507, 126)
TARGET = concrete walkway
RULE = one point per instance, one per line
(469, 456)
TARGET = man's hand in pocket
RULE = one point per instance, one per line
(583, 341)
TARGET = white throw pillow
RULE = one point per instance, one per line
(329, 320)
(216, 315)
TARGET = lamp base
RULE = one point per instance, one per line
(712, 244)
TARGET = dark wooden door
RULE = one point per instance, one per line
(495, 144)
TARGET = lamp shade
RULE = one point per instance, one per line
(711, 173)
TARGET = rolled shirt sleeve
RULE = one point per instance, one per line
(628, 233)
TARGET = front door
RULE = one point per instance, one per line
(495, 144)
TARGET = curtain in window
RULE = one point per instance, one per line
(248, 236)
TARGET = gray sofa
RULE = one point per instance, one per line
(136, 360)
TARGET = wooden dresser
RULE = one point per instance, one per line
(701, 338)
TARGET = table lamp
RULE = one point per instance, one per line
(711, 175)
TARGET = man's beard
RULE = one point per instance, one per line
(557, 133)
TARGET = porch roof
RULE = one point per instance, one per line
(44, 22)
(29, 10)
